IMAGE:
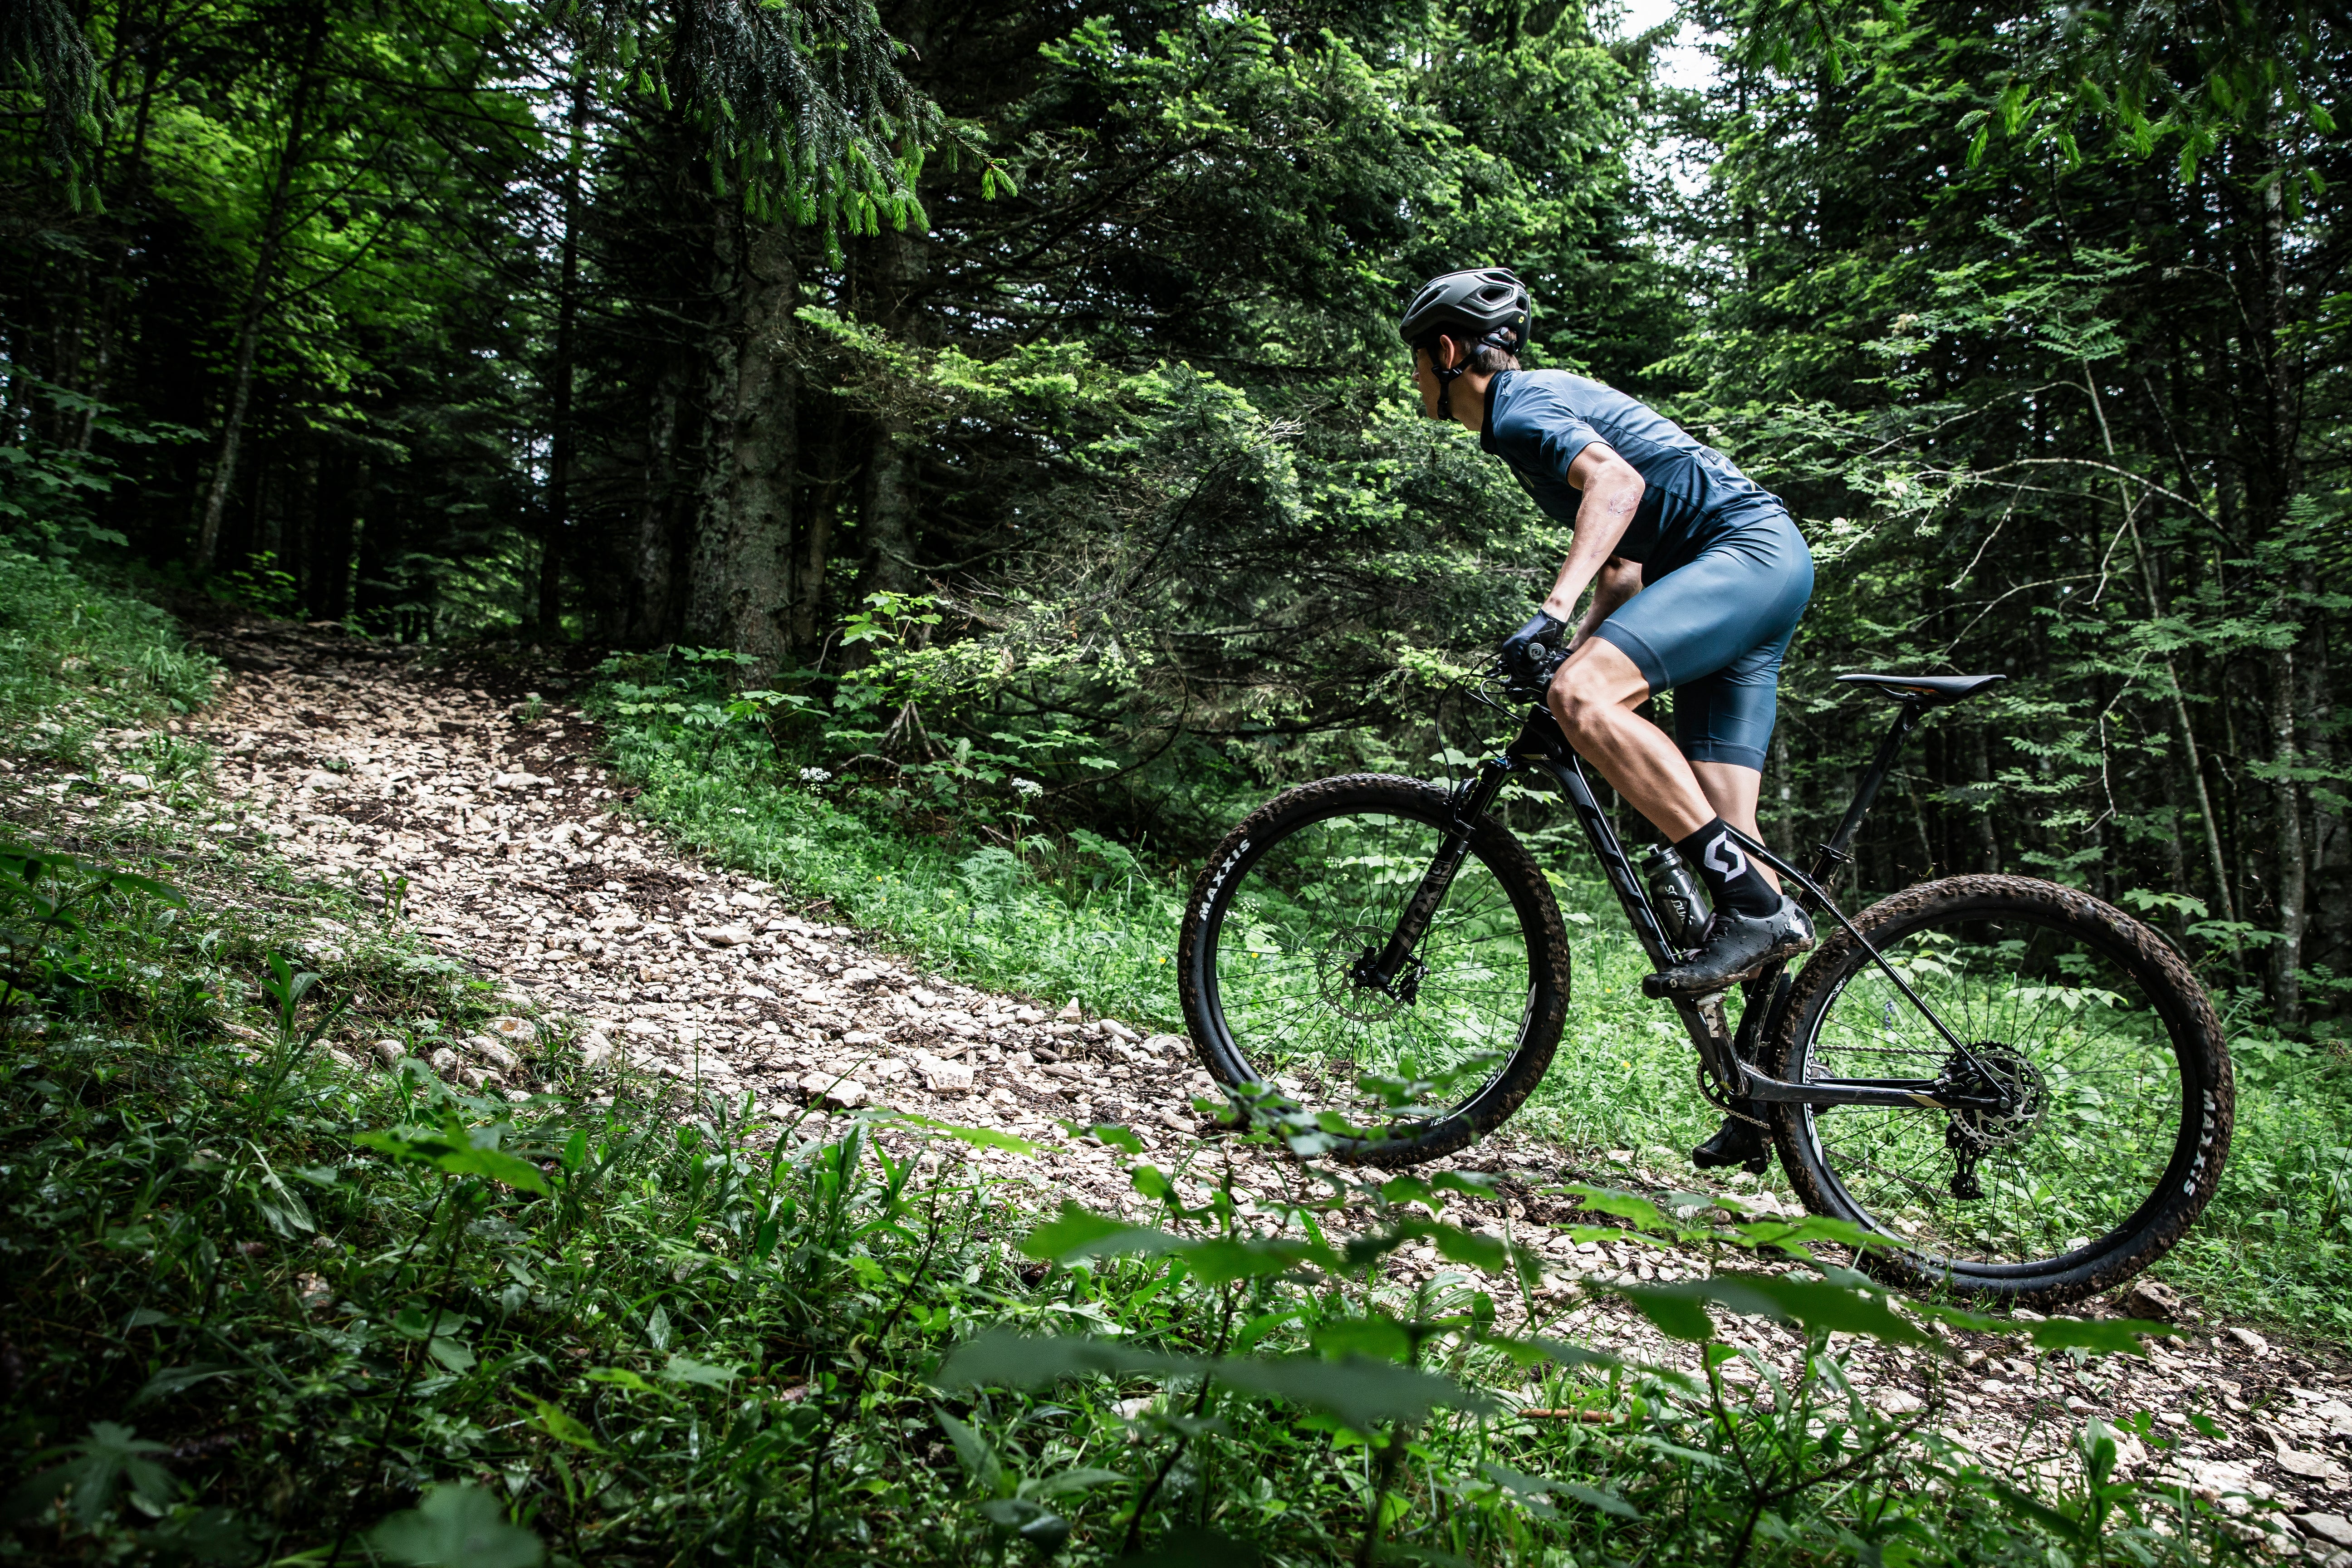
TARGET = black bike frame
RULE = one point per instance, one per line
(1723, 1055)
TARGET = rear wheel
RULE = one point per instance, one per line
(1276, 937)
(2106, 1057)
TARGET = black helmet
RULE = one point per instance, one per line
(1487, 306)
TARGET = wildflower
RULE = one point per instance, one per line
(816, 775)
(1028, 786)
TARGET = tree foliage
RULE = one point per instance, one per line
(1015, 387)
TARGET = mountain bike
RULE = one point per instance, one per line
(2018, 1090)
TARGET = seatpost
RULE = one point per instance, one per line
(1833, 854)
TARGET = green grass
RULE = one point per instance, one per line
(264, 1306)
(1074, 917)
(74, 656)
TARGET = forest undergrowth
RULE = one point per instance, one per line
(265, 1307)
(955, 859)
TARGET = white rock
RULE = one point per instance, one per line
(1113, 1027)
(945, 1077)
(1165, 1045)
(2246, 1339)
(864, 1037)
(2333, 1528)
(445, 1061)
(834, 1090)
(510, 1028)
(1027, 1016)
(1900, 1402)
(498, 1056)
(2308, 1463)
(389, 1052)
(858, 974)
(595, 1050)
(2151, 1299)
(1071, 1012)
(726, 936)
(475, 1077)
(343, 1060)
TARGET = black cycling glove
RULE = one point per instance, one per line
(1530, 654)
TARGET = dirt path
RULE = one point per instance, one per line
(522, 861)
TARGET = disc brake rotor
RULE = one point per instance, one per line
(1992, 1070)
(1350, 951)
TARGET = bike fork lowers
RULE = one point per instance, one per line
(1394, 972)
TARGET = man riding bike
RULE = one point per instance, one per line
(1699, 579)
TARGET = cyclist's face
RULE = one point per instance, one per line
(1425, 378)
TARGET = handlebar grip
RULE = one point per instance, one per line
(1547, 664)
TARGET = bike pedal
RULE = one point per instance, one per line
(1653, 988)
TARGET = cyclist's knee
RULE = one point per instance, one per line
(1581, 703)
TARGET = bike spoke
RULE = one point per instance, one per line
(2032, 1004)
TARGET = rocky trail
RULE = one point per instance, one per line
(625, 956)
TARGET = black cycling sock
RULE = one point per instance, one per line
(1733, 883)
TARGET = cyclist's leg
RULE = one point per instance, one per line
(1715, 630)
(1723, 722)
(1593, 697)
(1733, 791)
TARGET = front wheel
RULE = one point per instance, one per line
(1280, 934)
(2101, 1047)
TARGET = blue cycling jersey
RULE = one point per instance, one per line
(1539, 420)
(1725, 573)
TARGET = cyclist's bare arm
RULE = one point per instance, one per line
(1613, 489)
(1619, 581)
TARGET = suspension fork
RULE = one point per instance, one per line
(1470, 800)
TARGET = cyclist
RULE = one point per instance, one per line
(1699, 578)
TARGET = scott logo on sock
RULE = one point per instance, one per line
(1723, 858)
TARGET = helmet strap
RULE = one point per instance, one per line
(1445, 377)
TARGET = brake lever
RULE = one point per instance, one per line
(1518, 691)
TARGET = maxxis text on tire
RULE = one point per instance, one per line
(2205, 1113)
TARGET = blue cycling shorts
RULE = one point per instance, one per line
(1714, 631)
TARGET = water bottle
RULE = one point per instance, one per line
(1674, 894)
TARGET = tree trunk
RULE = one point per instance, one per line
(889, 512)
(331, 550)
(113, 294)
(740, 576)
(257, 294)
(1987, 840)
(654, 551)
(2286, 953)
(2330, 901)
(562, 437)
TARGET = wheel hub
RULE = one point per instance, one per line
(1344, 976)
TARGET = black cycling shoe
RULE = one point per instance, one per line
(1736, 946)
(1739, 1141)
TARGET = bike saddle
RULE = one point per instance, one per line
(1923, 691)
